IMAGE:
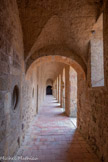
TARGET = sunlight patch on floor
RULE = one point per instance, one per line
(74, 121)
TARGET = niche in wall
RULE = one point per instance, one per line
(97, 54)
(18, 141)
(15, 97)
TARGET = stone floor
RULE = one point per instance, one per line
(53, 137)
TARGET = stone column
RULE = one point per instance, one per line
(55, 89)
(73, 92)
(63, 89)
(67, 91)
(61, 97)
(105, 39)
(60, 88)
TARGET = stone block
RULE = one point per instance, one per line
(7, 102)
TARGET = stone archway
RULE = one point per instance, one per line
(81, 79)
(79, 68)
(60, 53)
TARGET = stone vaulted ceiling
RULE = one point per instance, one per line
(51, 70)
(58, 22)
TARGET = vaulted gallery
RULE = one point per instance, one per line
(54, 80)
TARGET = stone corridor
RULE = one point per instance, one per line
(53, 137)
(60, 45)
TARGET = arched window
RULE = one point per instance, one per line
(97, 59)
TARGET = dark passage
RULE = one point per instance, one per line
(49, 90)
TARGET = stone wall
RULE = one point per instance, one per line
(92, 118)
(93, 111)
(29, 100)
(14, 122)
(11, 67)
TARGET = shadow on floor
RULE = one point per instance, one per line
(52, 137)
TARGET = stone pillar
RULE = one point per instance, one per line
(63, 89)
(105, 39)
(70, 91)
(55, 89)
(67, 91)
(60, 88)
(73, 92)
(61, 93)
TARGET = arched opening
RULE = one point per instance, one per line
(15, 97)
(49, 90)
(67, 80)
(97, 54)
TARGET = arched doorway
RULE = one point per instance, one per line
(49, 90)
